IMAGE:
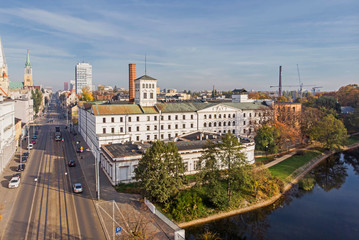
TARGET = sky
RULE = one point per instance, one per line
(188, 44)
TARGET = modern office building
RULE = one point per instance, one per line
(66, 86)
(83, 77)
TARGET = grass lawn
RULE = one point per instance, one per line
(128, 188)
(264, 160)
(284, 169)
(352, 139)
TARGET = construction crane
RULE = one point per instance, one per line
(301, 85)
(314, 90)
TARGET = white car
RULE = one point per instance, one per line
(77, 187)
(30, 146)
(14, 182)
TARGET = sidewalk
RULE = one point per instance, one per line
(131, 204)
(285, 157)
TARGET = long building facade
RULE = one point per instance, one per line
(147, 120)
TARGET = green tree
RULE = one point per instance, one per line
(330, 132)
(230, 155)
(37, 99)
(265, 139)
(327, 102)
(160, 172)
(115, 89)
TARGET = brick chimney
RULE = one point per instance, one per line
(131, 81)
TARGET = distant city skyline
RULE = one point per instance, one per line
(190, 45)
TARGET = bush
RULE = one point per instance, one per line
(186, 206)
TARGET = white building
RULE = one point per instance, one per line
(120, 160)
(7, 131)
(24, 107)
(83, 76)
(145, 91)
(147, 120)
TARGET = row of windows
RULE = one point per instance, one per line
(148, 85)
(219, 116)
(176, 117)
(176, 126)
(145, 96)
(169, 117)
(219, 124)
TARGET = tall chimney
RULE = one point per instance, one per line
(280, 82)
(131, 81)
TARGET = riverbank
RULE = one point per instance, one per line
(292, 180)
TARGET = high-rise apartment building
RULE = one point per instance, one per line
(83, 76)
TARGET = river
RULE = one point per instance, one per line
(330, 210)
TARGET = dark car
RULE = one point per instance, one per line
(72, 163)
(34, 137)
(26, 154)
(33, 141)
(23, 159)
(21, 167)
(36, 132)
(17, 175)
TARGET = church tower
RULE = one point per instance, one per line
(4, 79)
(28, 72)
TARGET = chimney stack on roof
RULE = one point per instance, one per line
(131, 79)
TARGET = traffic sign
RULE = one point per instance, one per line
(118, 230)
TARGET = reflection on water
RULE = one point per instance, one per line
(330, 210)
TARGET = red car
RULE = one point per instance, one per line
(33, 141)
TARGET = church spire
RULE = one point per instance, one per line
(2, 56)
(27, 63)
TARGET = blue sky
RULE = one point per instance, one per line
(189, 44)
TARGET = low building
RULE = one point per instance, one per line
(24, 107)
(18, 130)
(7, 131)
(120, 160)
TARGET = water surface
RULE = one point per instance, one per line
(329, 211)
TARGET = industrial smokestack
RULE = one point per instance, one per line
(131, 83)
(280, 82)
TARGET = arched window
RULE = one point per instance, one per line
(234, 123)
(205, 116)
(229, 123)
(215, 124)
(234, 115)
(204, 124)
(209, 124)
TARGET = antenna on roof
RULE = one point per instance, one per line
(145, 63)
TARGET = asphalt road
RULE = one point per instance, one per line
(48, 208)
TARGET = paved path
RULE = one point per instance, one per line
(285, 157)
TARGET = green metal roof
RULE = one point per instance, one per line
(27, 63)
(16, 85)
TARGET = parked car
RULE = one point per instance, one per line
(26, 154)
(17, 175)
(23, 159)
(36, 132)
(72, 163)
(30, 146)
(21, 167)
(34, 137)
(33, 141)
(79, 150)
(77, 187)
(14, 182)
